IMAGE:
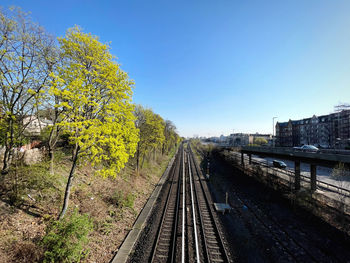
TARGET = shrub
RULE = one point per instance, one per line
(45, 134)
(34, 181)
(64, 239)
(123, 200)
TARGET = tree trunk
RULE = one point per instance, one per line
(137, 157)
(143, 159)
(52, 143)
(163, 148)
(51, 155)
(54, 133)
(5, 161)
(8, 147)
(69, 183)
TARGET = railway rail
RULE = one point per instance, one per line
(189, 230)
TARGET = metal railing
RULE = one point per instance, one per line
(291, 175)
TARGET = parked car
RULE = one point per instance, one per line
(279, 164)
(307, 148)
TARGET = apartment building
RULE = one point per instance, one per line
(328, 131)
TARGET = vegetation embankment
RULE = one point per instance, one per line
(79, 159)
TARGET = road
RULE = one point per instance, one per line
(323, 173)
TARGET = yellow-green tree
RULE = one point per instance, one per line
(96, 98)
(151, 127)
(260, 141)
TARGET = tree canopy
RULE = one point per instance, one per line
(151, 131)
(27, 55)
(75, 83)
(96, 96)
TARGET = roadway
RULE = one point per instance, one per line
(323, 173)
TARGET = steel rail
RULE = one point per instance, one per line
(183, 210)
(220, 243)
(194, 213)
(175, 171)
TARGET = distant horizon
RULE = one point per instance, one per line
(215, 68)
(268, 132)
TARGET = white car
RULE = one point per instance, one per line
(307, 148)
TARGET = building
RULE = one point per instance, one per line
(238, 139)
(243, 139)
(326, 131)
(34, 126)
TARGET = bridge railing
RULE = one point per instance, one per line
(291, 175)
(291, 149)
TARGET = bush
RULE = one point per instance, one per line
(123, 200)
(45, 133)
(34, 181)
(64, 239)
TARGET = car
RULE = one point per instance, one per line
(306, 148)
(309, 148)
(279, 164)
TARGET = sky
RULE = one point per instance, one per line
(219, 66)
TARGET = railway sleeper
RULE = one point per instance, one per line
(161, 256)
(217, 260)
(212, 241)
(163, 250)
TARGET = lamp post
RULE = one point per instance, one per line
(273, 131)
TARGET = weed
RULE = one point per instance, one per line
(123, 200)
(65, 239)
(105, 227)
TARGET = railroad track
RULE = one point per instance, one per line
(188, 230)
(294, 242)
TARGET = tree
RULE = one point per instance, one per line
(260, 141)
(170, 136)
(96, 98)
(26, 60)
(151, 127)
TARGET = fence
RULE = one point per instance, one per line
(291, 176)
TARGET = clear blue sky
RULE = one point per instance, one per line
(217, 66)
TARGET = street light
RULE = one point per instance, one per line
(273, 131)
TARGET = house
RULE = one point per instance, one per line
(34, 125)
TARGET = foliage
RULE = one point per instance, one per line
(122, 199)
(151, 131)
(26, 60)
(65, 239)
(260, 141)
(254, 145)
(96, 97)
(171, 137)
(45, 133)
(34, 181)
